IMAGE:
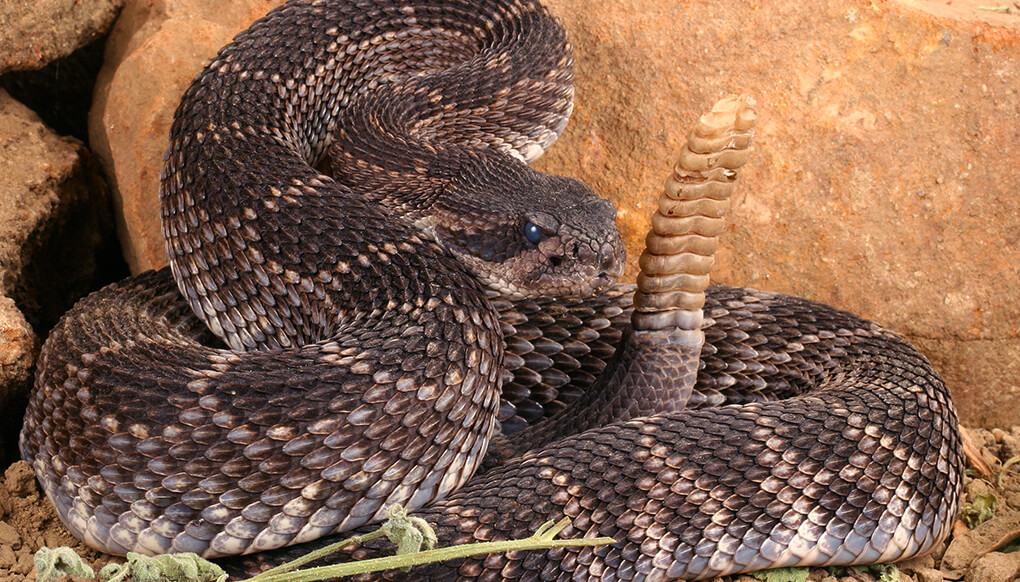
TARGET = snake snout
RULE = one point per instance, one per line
(607, 260)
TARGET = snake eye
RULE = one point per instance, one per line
(532, 233)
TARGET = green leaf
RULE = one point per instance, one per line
(183, 567)
(885, 572)
(54, 563)
(980, 511)
(783, 575)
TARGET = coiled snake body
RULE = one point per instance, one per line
(328, 346)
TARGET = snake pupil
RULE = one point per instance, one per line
(532, 233)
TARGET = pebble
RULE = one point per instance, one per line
(926, 561)
(928, 575)
(7, 557)
(9, 536)
(978, 487)
(26, 563)
(994, 567)
(20, 480)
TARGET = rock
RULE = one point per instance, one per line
(994, 567)
(36, 32)
(61, 92)
(19, 480)
(55, 220)
(977, 487)
(9, 536)
(1009, 445)
(132, 108)
(883, 182)
(927, 561)
(966, 544)
(18, 348)
(928, 575)
(7, 558)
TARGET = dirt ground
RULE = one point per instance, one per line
(28, 522)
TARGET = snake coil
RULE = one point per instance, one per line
(323, 346)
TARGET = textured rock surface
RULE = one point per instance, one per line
(995, 567)
(18, 348)
(133, 108)
(885, 179)
(54, 209)
(884, 183)
(61, 92)
(39, 31)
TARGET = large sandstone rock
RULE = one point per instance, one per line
(885, 179)
(133, 107)
(36, 32)
(54, 216)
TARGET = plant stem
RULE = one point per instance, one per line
(542, 539)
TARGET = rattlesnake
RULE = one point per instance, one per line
(326, 345)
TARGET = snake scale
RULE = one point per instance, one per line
(367, 281)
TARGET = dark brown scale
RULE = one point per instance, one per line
(324, 347)
(678, 488)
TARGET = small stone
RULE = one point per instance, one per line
(7, 557)
(54, 539)
(1010, 446)
(928, 575)
(9, 536)
(19, 479)
(18, 349)
(978, 487)
(994, 567)
(926, 561)
(25, 563)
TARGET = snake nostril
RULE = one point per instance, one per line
(556, 261)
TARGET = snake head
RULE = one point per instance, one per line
(524, 233)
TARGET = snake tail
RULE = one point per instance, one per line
(656, 366)
(679, 249)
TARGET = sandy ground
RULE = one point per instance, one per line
(28, 522)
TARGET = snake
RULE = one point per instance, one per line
(373, 299)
